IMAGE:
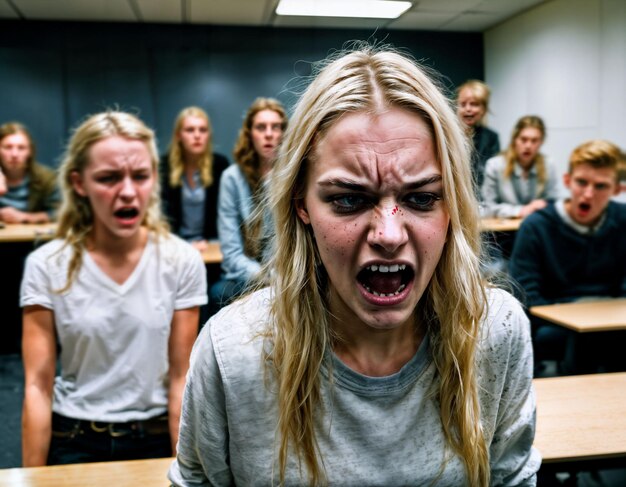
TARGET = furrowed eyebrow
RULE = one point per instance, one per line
(344, 184)
(424, 182)
(352, 186)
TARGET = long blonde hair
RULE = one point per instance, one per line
(175, 154)
(75, 215)
(369, 80)
(510, 155)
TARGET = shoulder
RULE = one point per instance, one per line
(617, 211)
(491, 134)
(42, 174)
(496, 162)
(245, 318)
(233, 183)
(172, 246)
(52, 257)
(53, 247)
(486, 134)
(505, 328)
(236, 334)
(233, 172)
(42, 170)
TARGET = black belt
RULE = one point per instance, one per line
(152, 426)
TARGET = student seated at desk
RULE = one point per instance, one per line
(242, 224)
(575, 247)
(121, 295)
(190, 178)
(521, 180)
(472, 106)
(28, 190)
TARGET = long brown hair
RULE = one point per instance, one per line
(249, 162)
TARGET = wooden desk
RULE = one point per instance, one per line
(581, 417)
(152, 473)
(500, 224)
(20, 232)
(578, 418)
(586, 316)
(212, 254)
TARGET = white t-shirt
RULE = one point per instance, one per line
(114, 338)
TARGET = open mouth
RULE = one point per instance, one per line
(385, 280)
(584, 207)
(127, 213)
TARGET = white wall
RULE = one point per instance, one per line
(565, 61)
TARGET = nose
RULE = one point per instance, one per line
(128, 190)
(388, 229)
(588, 191)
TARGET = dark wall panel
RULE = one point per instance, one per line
(31, 92)
(110, 77)
(53, 74)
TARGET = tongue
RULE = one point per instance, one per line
(384, 283)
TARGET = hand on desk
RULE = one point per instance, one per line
(531, 207)
(200, 245)
(9, 214)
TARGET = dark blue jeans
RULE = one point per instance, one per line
(78, 441)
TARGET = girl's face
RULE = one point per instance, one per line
(266, 132)
(469, 108)
(374, 200)
(527, 145)
(194, 135)
(118, 182)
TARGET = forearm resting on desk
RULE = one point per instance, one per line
(9, 214)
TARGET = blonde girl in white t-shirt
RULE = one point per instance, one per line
(118, 296)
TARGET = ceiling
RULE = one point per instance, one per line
(448, 15)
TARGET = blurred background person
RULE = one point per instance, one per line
(118, 295)
(521, 180)
(575, 248)
(190, 178)
(472, 107)
(241, 221)
(28, 190)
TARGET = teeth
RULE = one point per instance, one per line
(387, 268)
(385, 295)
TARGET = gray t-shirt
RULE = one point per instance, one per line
(373, 430)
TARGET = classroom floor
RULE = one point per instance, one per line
(12, 390)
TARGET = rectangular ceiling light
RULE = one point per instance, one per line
(376, 9)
